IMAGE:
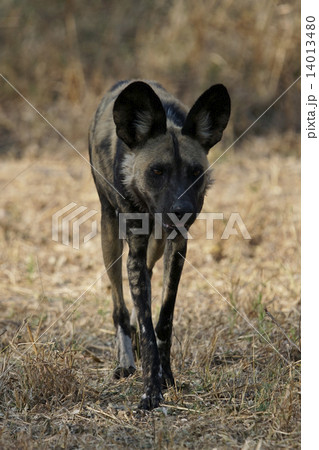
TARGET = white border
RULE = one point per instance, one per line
(309, 239)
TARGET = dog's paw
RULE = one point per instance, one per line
(151, 401)
(123, 372)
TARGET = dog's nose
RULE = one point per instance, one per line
(181, 208)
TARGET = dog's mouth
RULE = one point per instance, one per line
(177, 224)
(172, 226)
(172, 222)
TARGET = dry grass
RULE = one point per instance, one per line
(252, 47)
(233, 389)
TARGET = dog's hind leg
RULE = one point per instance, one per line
(155, 251)
(112, 248)
(174, 252)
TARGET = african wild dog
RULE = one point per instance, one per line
(149, 155)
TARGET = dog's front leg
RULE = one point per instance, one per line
(140, 286)
(174, 254)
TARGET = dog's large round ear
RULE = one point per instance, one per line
(138, 114)
(209, 116)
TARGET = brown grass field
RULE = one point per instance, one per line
(236, 337)
(236, 386)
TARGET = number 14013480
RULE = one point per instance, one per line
(310, 46)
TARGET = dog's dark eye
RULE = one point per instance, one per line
(157, 171)
(197, 172)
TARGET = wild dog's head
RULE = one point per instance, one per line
(165, 167)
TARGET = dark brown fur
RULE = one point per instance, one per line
(149, 155)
